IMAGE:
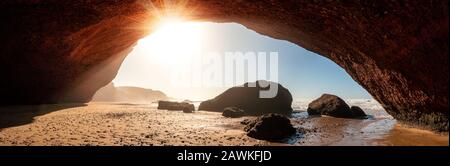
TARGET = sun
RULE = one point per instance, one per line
(174, 42)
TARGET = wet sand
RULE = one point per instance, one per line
(96, 124)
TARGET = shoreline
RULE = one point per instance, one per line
(118, 124)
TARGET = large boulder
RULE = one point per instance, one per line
(357, 111)
(248, 99)
(183, 106)
(332, 105)
(271, 127)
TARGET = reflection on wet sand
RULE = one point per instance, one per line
(369, 132)
(402, 135)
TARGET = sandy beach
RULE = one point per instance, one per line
(99, 124)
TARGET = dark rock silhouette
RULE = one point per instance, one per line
(332, 105)
(271, 127)
(189, 108)
(233, 112)
(248, 99)
(357, 112)
(176, 106)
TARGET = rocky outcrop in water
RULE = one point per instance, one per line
(357, 112)
(64, 51)
(332, 105)
(248, 99)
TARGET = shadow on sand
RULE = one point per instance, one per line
(11, 116)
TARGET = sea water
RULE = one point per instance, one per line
(370, 106)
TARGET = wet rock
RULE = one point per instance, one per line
(271, 127)
(328, 105)
(246, 121)
(233, 112)
(189, 108)
(334, 106)
(357, 112)
(168, 105)
(249, 99)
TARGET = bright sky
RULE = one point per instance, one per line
(306, 74)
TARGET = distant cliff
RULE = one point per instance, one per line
(110, 93)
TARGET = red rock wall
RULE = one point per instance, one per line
(53, 51)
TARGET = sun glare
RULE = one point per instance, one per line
(174, 42)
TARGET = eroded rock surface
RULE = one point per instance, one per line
(63, 51)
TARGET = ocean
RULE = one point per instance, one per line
(370, 106)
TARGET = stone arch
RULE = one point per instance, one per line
(61, 51)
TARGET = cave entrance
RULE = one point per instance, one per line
(175, 62)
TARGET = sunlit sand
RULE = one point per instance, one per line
(120, 124)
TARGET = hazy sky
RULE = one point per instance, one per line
(306, 74)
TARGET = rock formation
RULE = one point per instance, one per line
(271, 127)
(233, 112)
(332, 105)
(176, 106)
(357, 112)
(110, 93)
(63, 51)
(248, 99)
